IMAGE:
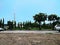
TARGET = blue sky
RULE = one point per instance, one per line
(26, 9)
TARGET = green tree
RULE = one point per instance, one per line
(14, 24)
(0, 22)
(58, 19)
(20, 25)
(27, 25)
(3, 23)
(10, 24)
(34, 25)
(53, 18)
(39, 18)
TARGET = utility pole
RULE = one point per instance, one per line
(14, 15)
(14, 21)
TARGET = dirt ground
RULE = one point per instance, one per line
(29, 39)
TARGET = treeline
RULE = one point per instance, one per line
(36, 25)
(42, 17)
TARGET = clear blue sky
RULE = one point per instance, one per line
(26, 9)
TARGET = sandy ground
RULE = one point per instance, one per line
(29, 39)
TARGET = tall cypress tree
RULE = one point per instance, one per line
(3, 23)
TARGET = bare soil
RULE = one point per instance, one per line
(29, 39)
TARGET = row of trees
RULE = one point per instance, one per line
(42, 17)
(11, 24)
(38, 18)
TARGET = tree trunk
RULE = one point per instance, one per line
(53, 25)
(39, 25)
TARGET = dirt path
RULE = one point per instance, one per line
(29, 39)
(27, 31)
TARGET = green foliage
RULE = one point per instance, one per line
(37, 25)
(39, 18)
(2, 23)
(10, 24)
(46, 26)
(52, 17)
(27, 25)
